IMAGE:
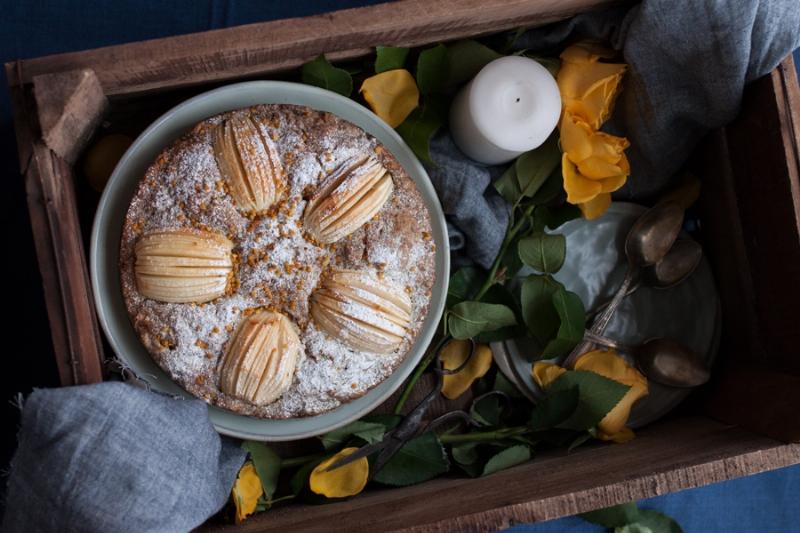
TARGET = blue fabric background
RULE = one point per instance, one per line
(765, 502)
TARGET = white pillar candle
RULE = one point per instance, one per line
(511, 106)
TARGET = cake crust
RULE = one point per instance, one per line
(277, 264)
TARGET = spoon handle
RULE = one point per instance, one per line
(606, 341)
(602, 320)
(633, 288)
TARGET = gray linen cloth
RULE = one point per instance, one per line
(115, 458)
(111, 457)
(689, 62)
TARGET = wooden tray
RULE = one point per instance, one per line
(750, 214)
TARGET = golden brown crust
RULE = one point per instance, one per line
(277, 264)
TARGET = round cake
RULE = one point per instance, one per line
(277, 261)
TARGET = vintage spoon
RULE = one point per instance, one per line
(679, 263)
(648, 241)
(664, 361)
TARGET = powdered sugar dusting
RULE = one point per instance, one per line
(278, 266)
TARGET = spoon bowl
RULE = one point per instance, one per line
(653, 234)
(679, 263)
(670, 363)
(664, 361)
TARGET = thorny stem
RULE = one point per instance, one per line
(485, 436)
(511, 233)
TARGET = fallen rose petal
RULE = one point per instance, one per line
(392, 95)
(453, 356)
(347, 480)
(246, 491)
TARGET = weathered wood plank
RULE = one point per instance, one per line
(70, 106)
(83, 343)
(763, 150)
(257, 49)
(670, 456)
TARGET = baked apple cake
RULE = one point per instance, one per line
(277, 261)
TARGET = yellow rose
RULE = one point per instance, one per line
(610, 365)
(392, 95)
(347, 480)
(246, 491)
(453, 356)
(594, 163)
(589, 88)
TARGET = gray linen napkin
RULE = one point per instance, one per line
(689, 62)
(113, 457)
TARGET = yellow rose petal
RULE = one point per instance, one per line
(576, 138)
(598, 101)
(620, 437)
(246, 491)
(613, 183)
(579, 189)
(608, 147)
(596, 168)
(341, 482)
(544, 373)
(453, 355)
(596, 206)
(392, 95)
(612, 366)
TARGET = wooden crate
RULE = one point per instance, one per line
(739, 424)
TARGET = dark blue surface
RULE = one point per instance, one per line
(766, 502)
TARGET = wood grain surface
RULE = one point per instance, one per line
(257, 49)
(665, 457)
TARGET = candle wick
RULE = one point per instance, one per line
(517, 99)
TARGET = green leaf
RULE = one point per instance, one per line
(616, 516)
(556, 407)
(432, 69)
(508, 185)
(488, 410)
(544, 252)
(465, 59)
(551, 189)
(572, 315)
(580, 440)
(463, 285)
(597, 396)
(499, 294)
(636, 527)
(321, 73)
(553, 217)
(657, 522)
(368, 431)
(389, 58)
(418, 129)
(300, 478)
(468, 319)
(502, 384)
(507, 458)
(534, 167)
(538, 311)
(267, 464)
(421, 459)
(465, 453)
